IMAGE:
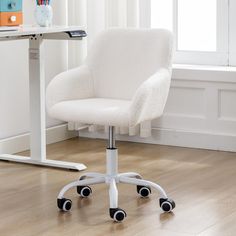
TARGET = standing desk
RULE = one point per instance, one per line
(36, 36)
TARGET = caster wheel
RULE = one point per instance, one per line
(143, 191)
(167, 204)
(64, 204)
(117, 214)
(84, 191)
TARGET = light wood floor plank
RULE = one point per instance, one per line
(225, 226)
(201, 182)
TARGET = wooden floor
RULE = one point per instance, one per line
(203, 184)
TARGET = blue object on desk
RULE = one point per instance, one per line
(10, 5)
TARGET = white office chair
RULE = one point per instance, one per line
(124, 81)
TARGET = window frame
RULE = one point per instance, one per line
(221, 57)
(232, 33)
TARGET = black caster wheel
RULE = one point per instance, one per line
(84, 191)
(167, 204)
(143, 191)
(117, 214)
(64, 204)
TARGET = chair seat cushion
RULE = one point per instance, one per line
(99, 111)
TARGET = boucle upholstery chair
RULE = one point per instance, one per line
(124, 81)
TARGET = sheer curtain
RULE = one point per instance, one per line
(95, 16)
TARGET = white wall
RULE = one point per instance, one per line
(14, 92)
(200, 111)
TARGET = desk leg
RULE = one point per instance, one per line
(37, 99)
(37, 112)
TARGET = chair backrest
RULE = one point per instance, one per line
(121, 59)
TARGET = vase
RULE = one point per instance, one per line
(43, 15)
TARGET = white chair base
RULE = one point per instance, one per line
(112, 178)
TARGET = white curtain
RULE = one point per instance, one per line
(95, 16)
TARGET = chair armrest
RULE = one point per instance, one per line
(150, 98)
(72, 84)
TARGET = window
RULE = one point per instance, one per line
(204, 30)
(197, 25)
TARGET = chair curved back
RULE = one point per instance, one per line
(121, 59)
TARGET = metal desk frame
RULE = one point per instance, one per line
(36, 36)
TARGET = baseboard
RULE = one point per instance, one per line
(22, 142)
(191, 139)
(216, 141)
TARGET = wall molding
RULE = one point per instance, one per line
(21, 142)
(180, 138)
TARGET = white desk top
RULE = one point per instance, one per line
(34, 30)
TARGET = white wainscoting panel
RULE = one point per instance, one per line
(200, 112)
(186, 101)
(227, 110)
